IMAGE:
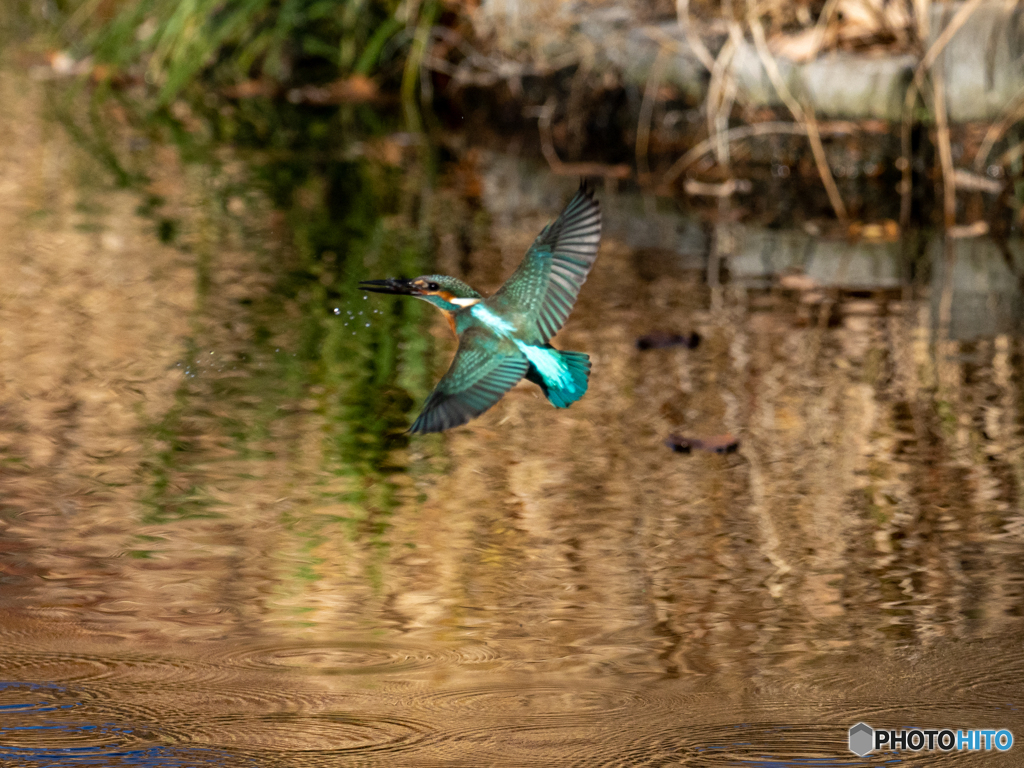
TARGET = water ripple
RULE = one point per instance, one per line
(106, 757)
(49, 724)
(300, 732)
(17, 698)
(760, 745)
(526, 698)
(335, 658)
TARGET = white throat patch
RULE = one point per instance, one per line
(465, 302)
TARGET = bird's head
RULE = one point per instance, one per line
(444, 292)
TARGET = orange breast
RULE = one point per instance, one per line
(450, 317)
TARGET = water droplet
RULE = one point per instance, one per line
(367, 325)
(337, 310)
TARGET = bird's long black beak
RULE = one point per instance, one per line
(395, 285)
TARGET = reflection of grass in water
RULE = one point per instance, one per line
(345, 216)
(166, 498)
(371, 358)
(92, 133)
(361, 364)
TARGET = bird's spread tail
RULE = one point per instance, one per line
(563, 375)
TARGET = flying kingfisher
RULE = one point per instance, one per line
(506, 337)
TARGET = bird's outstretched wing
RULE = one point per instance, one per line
(476, 380)
(546, 284)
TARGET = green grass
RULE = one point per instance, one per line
(175, 44)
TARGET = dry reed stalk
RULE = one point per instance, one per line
(726, 188)
(958, 20)
(661, 37)
(922, 15)
(967, 231)
(559, 168)
(945, 148)
(802, 116)
(910, 98)
(722, 88)
(722, 94)
(1013, 113)
(1012, 155)
(547, 144)
(696, 44)
(977, 182)
(722, 122)
(643, 128)
(818, 149)
(680, 166)
(714, 101)
(822, 25)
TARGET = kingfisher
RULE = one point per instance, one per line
(507, 336)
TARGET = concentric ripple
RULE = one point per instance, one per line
(86, 668)
(286, 732)
(49, 724)
(22, 698)
(43, 667)
(757, 745)
(339, 658)
(525, 698)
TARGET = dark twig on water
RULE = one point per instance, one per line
(663, 340)
(717, 444)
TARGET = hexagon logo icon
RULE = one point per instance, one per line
(862, 737)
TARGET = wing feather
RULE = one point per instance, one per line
(547, 282)
(476, 380)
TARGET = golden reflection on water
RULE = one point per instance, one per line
(541, 587)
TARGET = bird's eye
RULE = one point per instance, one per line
(433, 286)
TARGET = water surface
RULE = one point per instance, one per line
(217, 547)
